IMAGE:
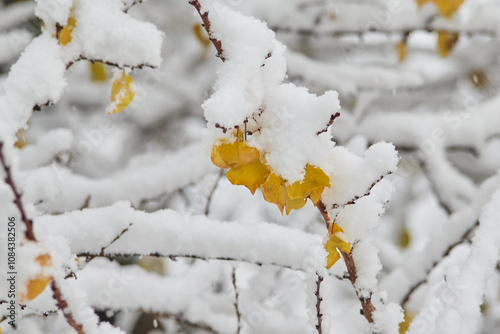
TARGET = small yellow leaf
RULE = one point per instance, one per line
(403, 326)
(272, 191)
(401, 49)
(201, 35)
(35, 287)
(292, 204)
(250, 176)
(313, 184)
(97, 72)
(235, 154)
(65, 33)
(448, 7)
(21, 139)
(446, 42)
(336, 241)
(37, 284)
(122, 93)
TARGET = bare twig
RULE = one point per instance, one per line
(356, 198)
(132, 4)
(236, 297)
(61, 303)
(319, 315)
(332, 119)
(91, 257)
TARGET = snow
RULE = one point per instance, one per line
(29, 84)
(459, 305)
(54, 12)
(181, 235)
(104, 32)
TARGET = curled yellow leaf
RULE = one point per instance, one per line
(336, 241)
(446, 42)
(313, 184)
(122, 93)
(65, 33)
(250, 176)
(38, 283)
(201, 35)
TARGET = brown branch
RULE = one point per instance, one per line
(356, 198)
(211, 194)
(179, 318)
(236, 297)
(63, 305)
(139, 66)
(465, 237)
(91, 257)
(206, 24)
(135, 2)
(366, 302)
(17, 197)
(319, 315)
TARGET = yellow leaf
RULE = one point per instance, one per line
(65, 33)
(122, 93)
(403, 326)
(313, 184)
(201, 35)
(272, 191)
(235, 154)
(401, 49)
(446, 42)
(336, 241)
(35, 287)
(448, 7)
(250, 176)
(37, 284)
(97, 72)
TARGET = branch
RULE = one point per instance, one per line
(91, 257)
(206, 24)
(61, 303)
(319, 315)
(17, 197)
(356, 198)
(236, 297)
(465, 237)
(366, 303)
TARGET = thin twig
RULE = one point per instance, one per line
(236, 297)
(63, 306)
(319, 315)
(211, 194)
(466, 236)
(17, 197)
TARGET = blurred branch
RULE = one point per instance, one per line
(206, 24)
(465, 237)
(179, 318)
(236, 297)
(319, 315)
(17, 197)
